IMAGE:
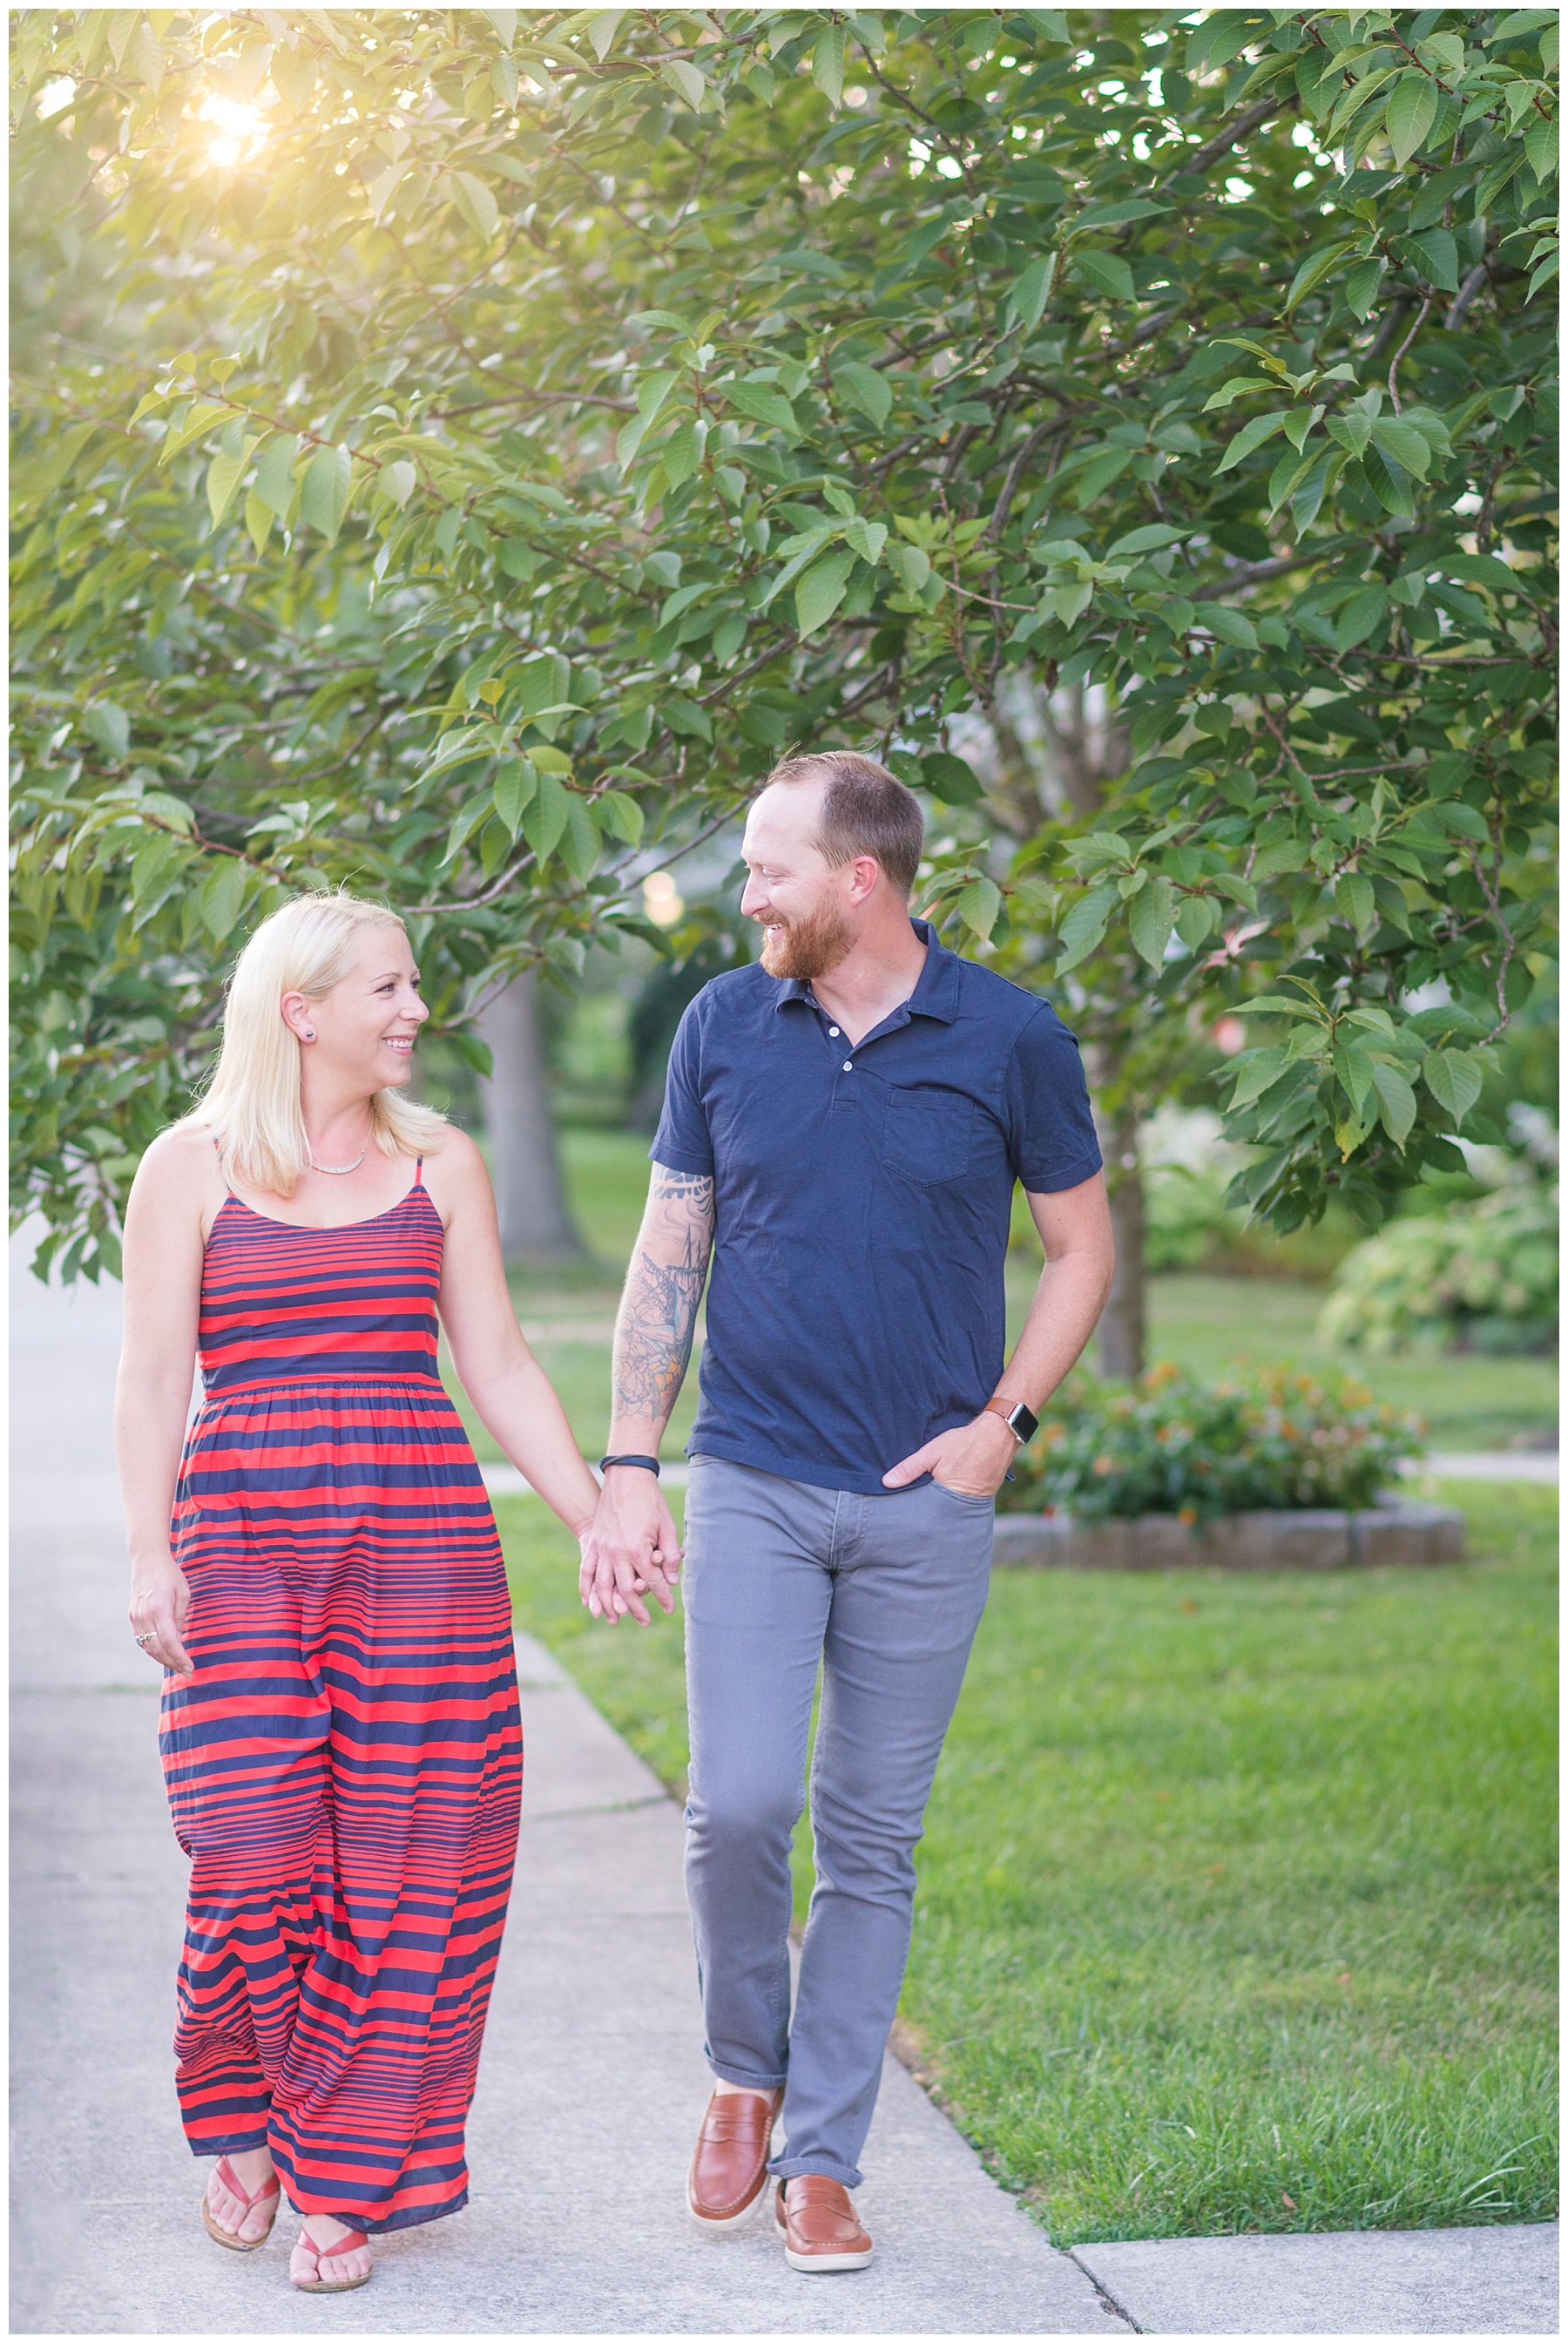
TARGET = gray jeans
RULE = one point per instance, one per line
(887, 1593)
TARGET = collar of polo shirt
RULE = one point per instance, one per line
(935, 993)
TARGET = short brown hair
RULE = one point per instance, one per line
(865, 811)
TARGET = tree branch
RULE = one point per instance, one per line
(1227, 139)
(1254, 573)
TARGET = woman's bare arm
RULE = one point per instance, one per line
(171, 1194)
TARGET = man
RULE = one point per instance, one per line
(842, 1128)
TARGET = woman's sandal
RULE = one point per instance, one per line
(231, 2238)
(320, 2284)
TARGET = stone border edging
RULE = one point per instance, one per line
(1261, 1541)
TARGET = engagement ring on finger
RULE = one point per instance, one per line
(144, 1639)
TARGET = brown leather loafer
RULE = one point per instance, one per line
(821, 2228)
(729, 2166)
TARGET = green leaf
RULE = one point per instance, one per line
(1314, 268)
(1084, 926)
(1361, 287)
(546, 817)
(1151, 919)
(223, 477)
(1396, 1099)
(602, 31)
(294, 75)
(1134, 207)
(222, 894)
(1354, 897)
(868, 539)
(1436, 255)
(257, 520)
(621, 816)
(1148, 540)
(684, 716)
(682, 452)
(1354, 1069)
(324, 490)
(1105, 271)
(1540, 148)
(763, 403)
(862, 387)
(1197, 917)
(909, 564)
(822, 589)
(1257, 1071)
(274, 474)
(1412, 111)
(580, 839)
(1454, 1080)
(109, 726)
(197, 422)
(1404, 443)
(1251, 436)
(950, 778)
(515, 782)
(1230, 625)
(1361, 617)
(827, 63)
(475, 202)
(978, 906)
(1031, 290)
(686, 82)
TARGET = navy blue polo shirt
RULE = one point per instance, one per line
(862, 1201)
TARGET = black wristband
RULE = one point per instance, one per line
(649, 1463)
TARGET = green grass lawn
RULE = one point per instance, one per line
(1235, 1906)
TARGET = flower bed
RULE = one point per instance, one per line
(1270, 1439)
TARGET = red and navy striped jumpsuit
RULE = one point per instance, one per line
(345, 1767)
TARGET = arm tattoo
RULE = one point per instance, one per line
(664, 1284)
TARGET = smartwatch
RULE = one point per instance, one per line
(1020, 1421)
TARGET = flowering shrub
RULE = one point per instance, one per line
(1477, 1277)
(1267, 1438)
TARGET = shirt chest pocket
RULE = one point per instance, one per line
(928, 1134)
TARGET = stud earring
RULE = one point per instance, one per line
(310, 1035)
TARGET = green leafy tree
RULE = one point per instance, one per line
(461, 448)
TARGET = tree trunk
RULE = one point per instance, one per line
(525, 1162)
(1122, 1320)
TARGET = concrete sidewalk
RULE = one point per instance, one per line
(593, 2078)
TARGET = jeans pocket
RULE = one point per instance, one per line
(964, 1496)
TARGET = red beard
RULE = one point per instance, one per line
(811, 946)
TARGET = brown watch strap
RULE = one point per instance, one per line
(1002, 1407)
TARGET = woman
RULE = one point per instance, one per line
(321, 1577)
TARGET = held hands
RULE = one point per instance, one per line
(972, 1459)
(630, 1548)
(160, 1597)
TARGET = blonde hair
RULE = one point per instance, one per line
(252, 1106)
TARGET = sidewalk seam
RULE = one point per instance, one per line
(1106, 2299)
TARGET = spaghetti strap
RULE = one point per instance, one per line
(419, 1173)
(223, 1170)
